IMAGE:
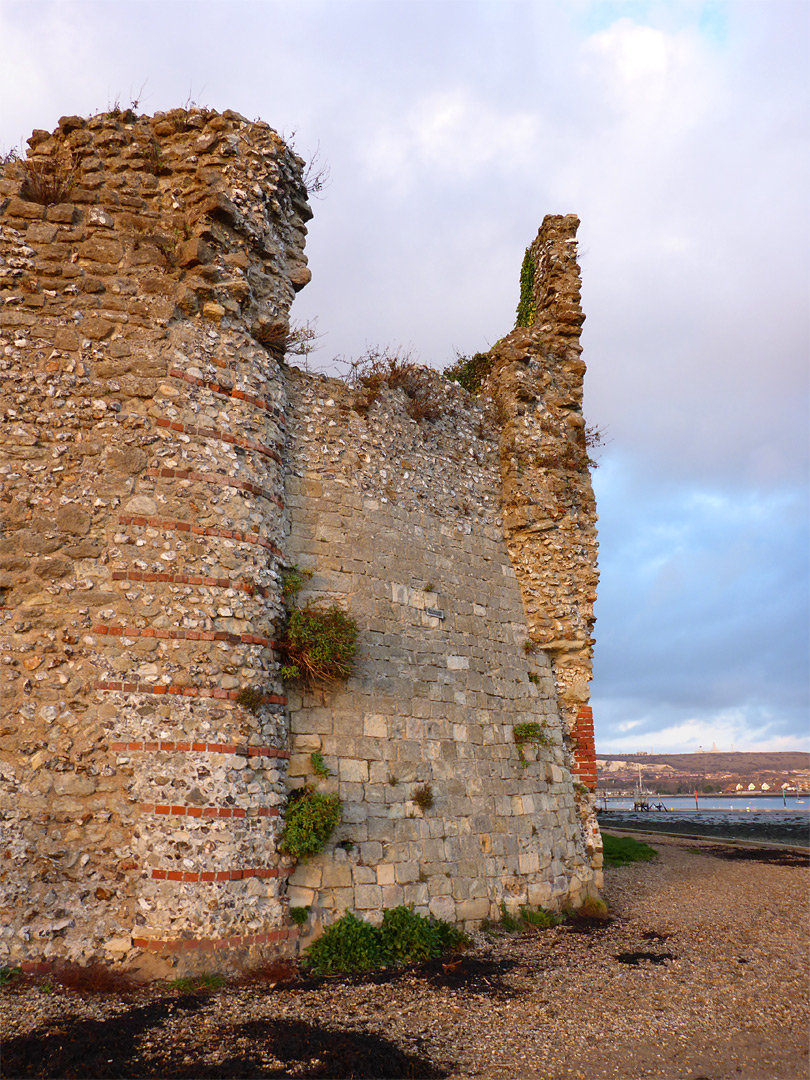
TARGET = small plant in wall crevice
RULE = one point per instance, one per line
(250, 698)
(319, 766)
(423, 797)
(309, 820)
(531, 732)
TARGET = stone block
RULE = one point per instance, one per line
(473, 910)
(336, 875)
(308, 875)
(393, 896)
(300, 897)
(353, 770)
(371, 852)
(375, 726)
(443, 907)
(385, 874)
(363, 875)
(457, 663)
(368, 896)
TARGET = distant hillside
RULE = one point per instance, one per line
(739, 764)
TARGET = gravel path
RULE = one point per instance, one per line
(702, 972)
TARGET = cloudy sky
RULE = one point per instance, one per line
(678, 132)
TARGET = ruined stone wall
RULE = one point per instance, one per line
(400, 522)
(159, 466)
(142, 503)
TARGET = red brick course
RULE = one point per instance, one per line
(187, 635)
(183, 691)
(214, 478)
(227, 391)
(222, 875)
(585, 747)
(199, 747)
(173, 525)
(223, 436)
(209, 811)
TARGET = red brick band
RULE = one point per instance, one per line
(172, 525)
(227, 391)
(187, 635)
(191, 579)
(183, 691)
(235, 941)
(223, 436)
(198, 747)
(222, 875)
(585, 747)
(214, 478)
(209, 811)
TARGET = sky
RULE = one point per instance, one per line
(678, 132)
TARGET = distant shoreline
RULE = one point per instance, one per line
(789, 828)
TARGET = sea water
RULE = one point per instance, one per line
(766, 819)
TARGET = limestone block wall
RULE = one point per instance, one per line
(143, 307)
(400, 521)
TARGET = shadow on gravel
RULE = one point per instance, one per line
(635, 958)
(277, 1048)
(761, 855)
(88, 1048)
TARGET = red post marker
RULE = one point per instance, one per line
(696, 802)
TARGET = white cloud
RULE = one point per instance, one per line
(451, 134)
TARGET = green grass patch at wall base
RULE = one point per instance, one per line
(353, 945)
(623, 850)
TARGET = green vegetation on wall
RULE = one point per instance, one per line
(470, 371)
(319, 644)
(526, 309)
(309, 820)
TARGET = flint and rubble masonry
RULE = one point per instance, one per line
(160, 465)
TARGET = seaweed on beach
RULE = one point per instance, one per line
(773, 856)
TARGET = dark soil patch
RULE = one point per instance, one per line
(470, 973)
(635, 958)
(762, 855)
(585, 924)
(264, 1048)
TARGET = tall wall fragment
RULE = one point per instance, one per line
(549, 512)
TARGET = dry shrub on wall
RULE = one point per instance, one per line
(378, 370)
(49, 180)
